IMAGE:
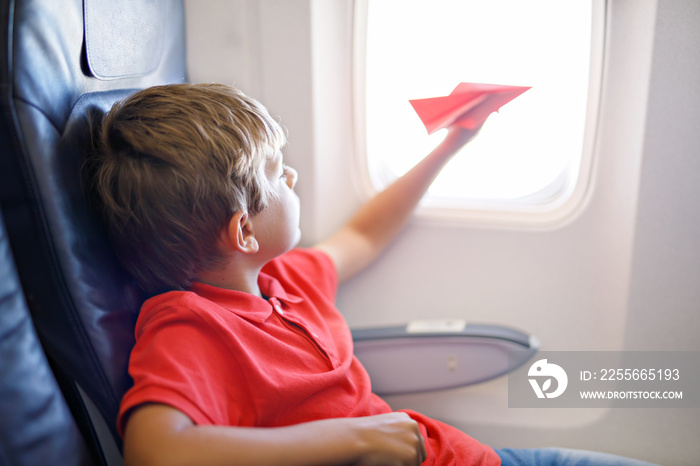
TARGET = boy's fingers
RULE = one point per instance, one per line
(422, 452)
(457, 137)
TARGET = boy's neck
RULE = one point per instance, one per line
(231, 278)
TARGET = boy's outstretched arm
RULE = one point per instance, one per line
(376, 223)
(161, 435)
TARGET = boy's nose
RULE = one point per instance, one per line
(292, 177)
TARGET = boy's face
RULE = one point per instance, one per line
(277, 225)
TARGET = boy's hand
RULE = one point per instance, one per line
(456, 138)
(388, 439)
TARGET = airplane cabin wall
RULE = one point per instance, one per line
(620, 274)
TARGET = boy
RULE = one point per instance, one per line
(241, 356)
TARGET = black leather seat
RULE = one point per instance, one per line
(36, 426)
(63, 63)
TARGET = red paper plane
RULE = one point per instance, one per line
(468, 105)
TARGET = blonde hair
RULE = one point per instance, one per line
(173, 164)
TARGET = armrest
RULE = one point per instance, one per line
(434, 355)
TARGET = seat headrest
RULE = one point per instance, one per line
(119, 43)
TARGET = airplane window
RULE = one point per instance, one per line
(531, 154)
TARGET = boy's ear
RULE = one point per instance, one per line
(238, 235)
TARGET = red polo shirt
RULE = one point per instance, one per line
(225, 357)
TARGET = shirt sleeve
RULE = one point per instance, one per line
(179, 360)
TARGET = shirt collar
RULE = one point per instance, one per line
(244, 304)
(270, 287)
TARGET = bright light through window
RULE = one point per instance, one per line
(532, 148)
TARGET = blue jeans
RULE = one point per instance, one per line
(562, 457)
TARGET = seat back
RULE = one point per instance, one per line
(62, 65)
(36, 426)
